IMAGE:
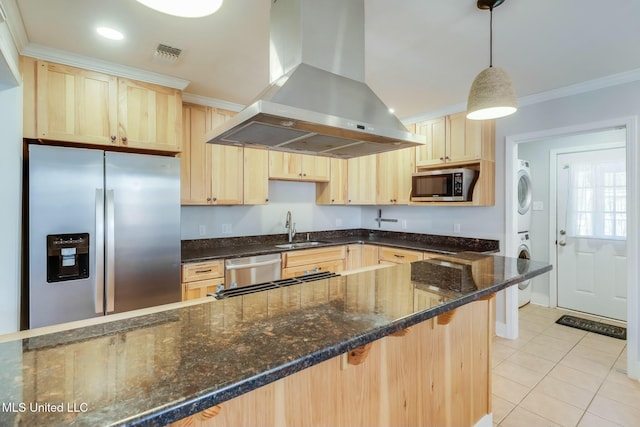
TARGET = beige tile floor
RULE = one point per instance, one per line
(553, 375)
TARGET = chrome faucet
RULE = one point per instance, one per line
(290, 226)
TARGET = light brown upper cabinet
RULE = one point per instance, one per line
(149, 116)
(206, 165)
(455, 140)
(361, 180)
(333, 192)
(256, 176)
(75, 105)
(394, 170)
(215, 174)
(298, 167)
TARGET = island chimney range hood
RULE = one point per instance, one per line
(318, 102)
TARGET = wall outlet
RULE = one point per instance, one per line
(538, 206)
(404, 224)
(226, 228)
(338, 222)
(456, 228)
(202, 230)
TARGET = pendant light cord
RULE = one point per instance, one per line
(491, 37)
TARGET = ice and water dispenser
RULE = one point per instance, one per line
(67, 257)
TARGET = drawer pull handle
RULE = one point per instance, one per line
(203, 271)
(398, 256)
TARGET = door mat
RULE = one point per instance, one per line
(593, 326)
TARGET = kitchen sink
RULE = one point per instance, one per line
(298, 245)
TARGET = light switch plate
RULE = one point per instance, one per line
(538, 206)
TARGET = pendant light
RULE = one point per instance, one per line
(491, 95)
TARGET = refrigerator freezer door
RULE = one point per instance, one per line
(65, 187)
(143, 217)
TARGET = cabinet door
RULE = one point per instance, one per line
(369, 255)
(315, 168)
(150, 116)
(394, 170)
(361, 178)
(200, 289)
(195, 161)
(333, 192)
(286, 166)
(433, 152)
(405, 166)
(75, 105)
(353, 258)
(464, 138)
(256, 176)
(227, 174)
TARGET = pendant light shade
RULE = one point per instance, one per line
(492, 94)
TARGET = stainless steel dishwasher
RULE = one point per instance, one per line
(240, 272)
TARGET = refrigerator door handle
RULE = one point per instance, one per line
(110, 248)
(99, 245)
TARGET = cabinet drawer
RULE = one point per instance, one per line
(398, 255)
(193, 271)
(312, 256)
(334, 266)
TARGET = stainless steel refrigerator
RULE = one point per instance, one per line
(104, 233)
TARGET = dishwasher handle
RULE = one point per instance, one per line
(252, 264)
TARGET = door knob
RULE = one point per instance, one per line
(562, 232)
(562, 243)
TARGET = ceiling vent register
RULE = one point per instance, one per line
(168, 54)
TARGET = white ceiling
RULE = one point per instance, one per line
(421, 55)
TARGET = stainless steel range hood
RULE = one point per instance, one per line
(318, 102)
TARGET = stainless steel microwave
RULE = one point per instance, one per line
(446, 185)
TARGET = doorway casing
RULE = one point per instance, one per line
(633, 265)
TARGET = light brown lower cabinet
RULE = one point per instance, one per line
(438, 373)
(318, 260)
(201, 278)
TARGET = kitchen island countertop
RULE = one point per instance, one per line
(157, 368)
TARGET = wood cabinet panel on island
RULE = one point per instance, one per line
(298, 167)
(69, 104)
(437, 373)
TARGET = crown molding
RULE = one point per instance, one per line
(14, 21)
(576, 89)
(75, 60)
(211, 102)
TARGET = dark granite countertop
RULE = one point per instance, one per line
(157, 368)
(209, 249)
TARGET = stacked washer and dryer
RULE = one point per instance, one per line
(523, 242)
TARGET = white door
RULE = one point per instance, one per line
(591, 235)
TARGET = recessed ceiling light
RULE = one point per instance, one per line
(184, 8)
(391, 110)
(110, 33)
